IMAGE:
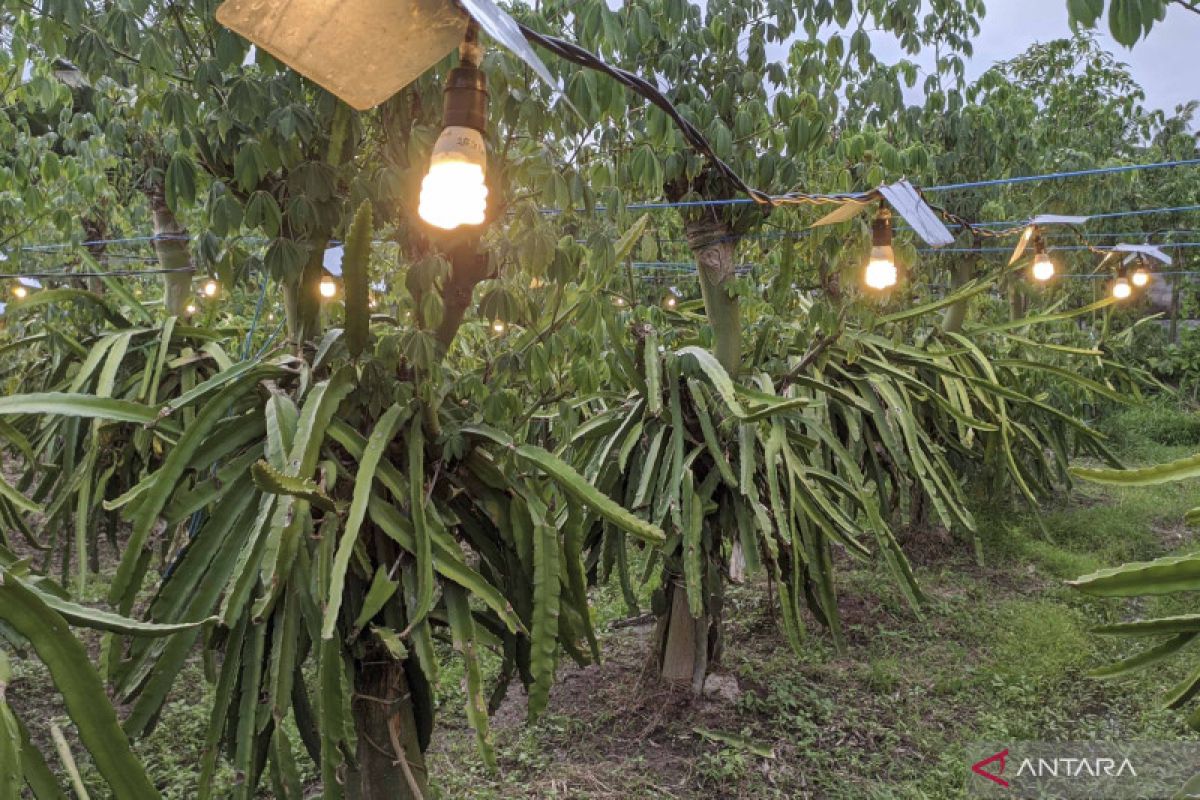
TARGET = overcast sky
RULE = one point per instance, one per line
(1167, 64)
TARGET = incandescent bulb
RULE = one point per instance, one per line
(1043, 267)
(1121, 288)
(881, 270)
(20, 292)
(619, 301)
(210, 288)
(498, 326)
(453, 192)
(670, 302)
(191, 309)
(327, 288)
(1140, 277)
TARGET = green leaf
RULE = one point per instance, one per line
(271, 480)
(633, 234)
(78, 405)
(49, 297)
(1162, 626)
(462, 629)
(17, 499)
(385, 430)
(1145, 658)
(1183, 469)
(421, 534)
(447, 561)
(575, 485)
(164, 482)
(98, 619)
(381, 590)
(544, 634)
(729, 392)
(12, 775)
(1161, 576)
(737, 742)
(83, 693)
(356, 280)
(692, 525)
(262, 211)
(180, 182)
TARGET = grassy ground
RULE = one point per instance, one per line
(1001, 653)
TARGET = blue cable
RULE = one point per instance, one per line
(1057, 176)
(1165, 245)
(271, 339)
(254, 323)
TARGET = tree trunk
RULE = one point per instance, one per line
(302, 296)
(1173, 333)
(386, 728)
(1016, 301)
(172, 253)
(712, 246)
(959, 275)
(686, 646)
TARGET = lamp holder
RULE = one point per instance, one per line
(465, 98)
(881, 228)
(1039, 243)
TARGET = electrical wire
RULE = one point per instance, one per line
(113, 274)
(1056, 176)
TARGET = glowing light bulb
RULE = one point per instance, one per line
(498, 326)
(1121, 288)
(191, 309)
(210, 288)
(671, 301)
(881, 272)
(1043, 268)
(453, 192)
(327, 287)
(1140, 277)
(619, 302)
(20, 292)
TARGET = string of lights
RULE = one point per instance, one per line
(1012, 224)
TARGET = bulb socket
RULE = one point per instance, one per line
(881, 229)
(465, 99)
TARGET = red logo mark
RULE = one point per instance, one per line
(994, 777)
